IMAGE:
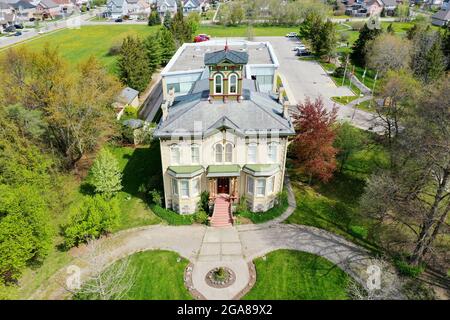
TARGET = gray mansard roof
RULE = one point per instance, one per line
(256, 112)
(233, 56)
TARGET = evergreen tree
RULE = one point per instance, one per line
(154, 18)
(436, 61)
(167, 44)
(167, 20)
(180, 28)
(154, 52)
(325, 41)
(106, 175)
(366, 34)
(446, 47)
(133, 66)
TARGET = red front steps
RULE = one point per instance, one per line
(222, 212)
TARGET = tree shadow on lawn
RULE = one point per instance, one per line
(143, 168)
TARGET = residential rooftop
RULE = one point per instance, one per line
(191, 56)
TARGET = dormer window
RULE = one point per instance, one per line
(233, 83)
(218, 84)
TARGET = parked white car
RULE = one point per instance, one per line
(300, 47)
(292, 35)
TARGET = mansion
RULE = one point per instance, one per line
(222, 130)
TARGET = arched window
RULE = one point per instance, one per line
(195, 153)
(219, 152)
(273, 152)
(218, 84)
(175, 154)
(233, 83)
(228, 152)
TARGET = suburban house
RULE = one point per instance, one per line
(23, 10)
(47, 9)
(166, 5)
(445, 5)
(441, 18)
(7, 16)
(224, 135)
(65, 6)
(195, 6)
(116, 8)
(374, 7)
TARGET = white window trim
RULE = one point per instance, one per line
(256, 188)
(175, 190)
(270, 145)
(233, 75)
(225, 152)
(215, 83)
(270, 192)
(248, 190)
(172, 147)
(221, 153)
(197, 192)
(195, 146)
(188, 189)
(248, 152)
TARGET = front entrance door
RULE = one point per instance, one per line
(223, 185)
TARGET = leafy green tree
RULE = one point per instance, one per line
(428, 60)
(366, 34)
(193, 21)
(106, 174)
(436, 62)
(25, 230)
(133, 65)
(446, 47)
(94, 217)
(29, 122)
(324, 42)
(167, 43)
(154, 52)
(167, 22)
(154, 18)
(310, 25)
(348, 141)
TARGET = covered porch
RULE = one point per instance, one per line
(223, 180)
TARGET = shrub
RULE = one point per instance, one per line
(156, 197)
(339, 72)
(201, 217)
(106, 174)
(359, 231)
(130, 112)
(406, 269)
(114, 50)
(204, 201)
(92, 218)
(242, 205)
(357, 25)
(172, 217)
(127, 134)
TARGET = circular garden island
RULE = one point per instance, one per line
(281, 274)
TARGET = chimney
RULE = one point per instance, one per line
(286, 110)
(171, 96)
(165, 110)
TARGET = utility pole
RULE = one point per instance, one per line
(373, 88)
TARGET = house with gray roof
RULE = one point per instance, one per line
(166, 5)
(224, 137)
(116, 8)
(441, 18)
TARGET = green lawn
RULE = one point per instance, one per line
(276, 211)
(77, 45)
(344, 100)
(241, 31)
(295, 275)
(333, 206)
(158, 275)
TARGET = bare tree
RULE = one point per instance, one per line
(388, 52)
(105, 281)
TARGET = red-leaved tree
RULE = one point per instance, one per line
(313, 150)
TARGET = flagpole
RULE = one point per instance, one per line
(373, 88)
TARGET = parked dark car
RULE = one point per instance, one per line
(18, 33)
(303, 53)
(18, 26)
(32, 19)
(118, 20)
(10, 29)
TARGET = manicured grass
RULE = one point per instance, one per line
(172, 217)
(158, 276)
(367, 105)
(344, 100)
(295, 275)
(140, 166)
(77, 45)
(276, 211)
(333, 206)
(241, 31)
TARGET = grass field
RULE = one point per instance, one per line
(294, 275)
(76, 45)
(158, 275)
(344, 100)
(333, 206)
(241, 31)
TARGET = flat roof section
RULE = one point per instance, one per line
(192, 55)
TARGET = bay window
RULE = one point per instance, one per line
(184, 188)
(175, 187)
(250, 185)
(260, 187)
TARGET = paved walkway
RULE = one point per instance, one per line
(232, 247)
